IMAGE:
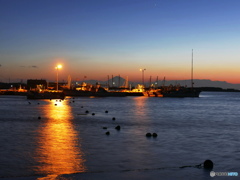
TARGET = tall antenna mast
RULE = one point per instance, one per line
(192, 71)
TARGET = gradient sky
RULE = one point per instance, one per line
(96, 38)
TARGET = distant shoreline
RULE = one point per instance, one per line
(217, 89)
(211, 89)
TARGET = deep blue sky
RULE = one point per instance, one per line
(96, 38)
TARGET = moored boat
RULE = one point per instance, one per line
(100, 92)
(45, 95)
(183, 92)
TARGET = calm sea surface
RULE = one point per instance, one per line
(42, 139)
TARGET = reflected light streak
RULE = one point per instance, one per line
(58, 151)
(140, 109)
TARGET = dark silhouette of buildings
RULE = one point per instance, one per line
(33, 84)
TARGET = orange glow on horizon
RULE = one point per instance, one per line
(99, 71)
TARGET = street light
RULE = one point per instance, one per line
(143, 75)
(59, 66)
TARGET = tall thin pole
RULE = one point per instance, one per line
(119, 81)
(192, 71)
(57, 68)
(143, 75)
(126, 82)
(57, 78)
(150, 81)
(112, 80)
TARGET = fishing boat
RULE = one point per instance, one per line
(45, 95)
(153, 93)
(183, 91)
(99, 92)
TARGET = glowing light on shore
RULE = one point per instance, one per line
(59, 66)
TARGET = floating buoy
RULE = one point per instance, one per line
(86, 111)
(106, 111)
(118, 127)
(154, 135)
(107, 133)
(55, 104)
(93, 114)
(73, 101)
(39, 117)
(81, 106)
(29, 102)
(208, 164)
(148, 134)
(38, 103)
(104, 127)
(113, 118)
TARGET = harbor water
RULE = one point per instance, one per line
(43, 139)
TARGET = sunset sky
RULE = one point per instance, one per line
(96, 38)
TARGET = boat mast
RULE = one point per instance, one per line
(192, 71)
(157, 82)
(119, 81)
(150, 81)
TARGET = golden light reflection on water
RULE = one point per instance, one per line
(140, 109)
(59, 149)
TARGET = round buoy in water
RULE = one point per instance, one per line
(93, 114)
(118, 127)
(154, 135)
(39, 117)
(86, 111)
(107, 133)
(113, 118)
(208, 164)
(106, 111)
(148, 134)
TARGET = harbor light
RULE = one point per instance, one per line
(143, 75)
(59, 66)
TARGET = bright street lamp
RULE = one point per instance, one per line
(59, 66)
(143, 75)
